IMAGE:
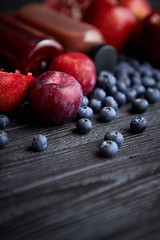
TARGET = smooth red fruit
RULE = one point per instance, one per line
(55, 97)
(80, 66)
(140, 8)
(145, 43)
(13, 89)
(116, 22)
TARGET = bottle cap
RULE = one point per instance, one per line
(104, 56)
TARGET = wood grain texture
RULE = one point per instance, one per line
(69, 191)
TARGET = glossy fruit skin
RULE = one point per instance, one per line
(138, 124)
(140, 8)
(13, 89)
(78, 65)
(140, 105)
(39, 142)
(4, 121)
(116, 22)
(108, 148)
(4, 139)
(84, 112)
(107, 114)
(55, 97)
(114, 136)
(84, 125)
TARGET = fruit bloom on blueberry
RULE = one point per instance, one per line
(78, 65)
(4, 121)
(108, 148)
(114, 136)
(138, 124)
(107, 114)
(84, 125)
(39, 143)
(4, 139)
(55, 97)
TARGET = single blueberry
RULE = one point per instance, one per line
(140, 89)
(148, 81)
(114, 136)
(98, 93)
(4, 139)
(152, 95)
(131, 94)
(120, 98)
(4, 121)
(108, 148)
(84, 112)
(121, 86)
(85, 101)
(106, 80)
(112, 90)
(107, 114)
(138, 124)
(109, 101)
(95, 104)
(84, 125)
(39, 142)
(140, 105)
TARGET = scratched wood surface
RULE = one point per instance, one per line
(69, 192)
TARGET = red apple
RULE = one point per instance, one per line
(55, 97)
(145, 42)
(140, 8)
(80, 66)
(116, 22)
(13, 89)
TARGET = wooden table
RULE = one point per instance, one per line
(69, 192)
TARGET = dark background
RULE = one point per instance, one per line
(15, 4)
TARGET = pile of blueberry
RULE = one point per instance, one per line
(131, 82)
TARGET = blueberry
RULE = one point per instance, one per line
(148, 81)
(121, 86)
(131, 94)
(156, 74)
(120, 98)
(125, 79)
(106, 80)
(109, 101)
(107, 114)
(98, 93)
(84, 125)
(136, 79)
(113, 90)
(4, 121)
(138, 124)
(84, 112)
(85, 101)
(145, 70)
(140, 89)
(108, 148)
(4, 139)
(140, 105)
(114, 136)
(95, 104)
(152, 95)
(39, 142)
